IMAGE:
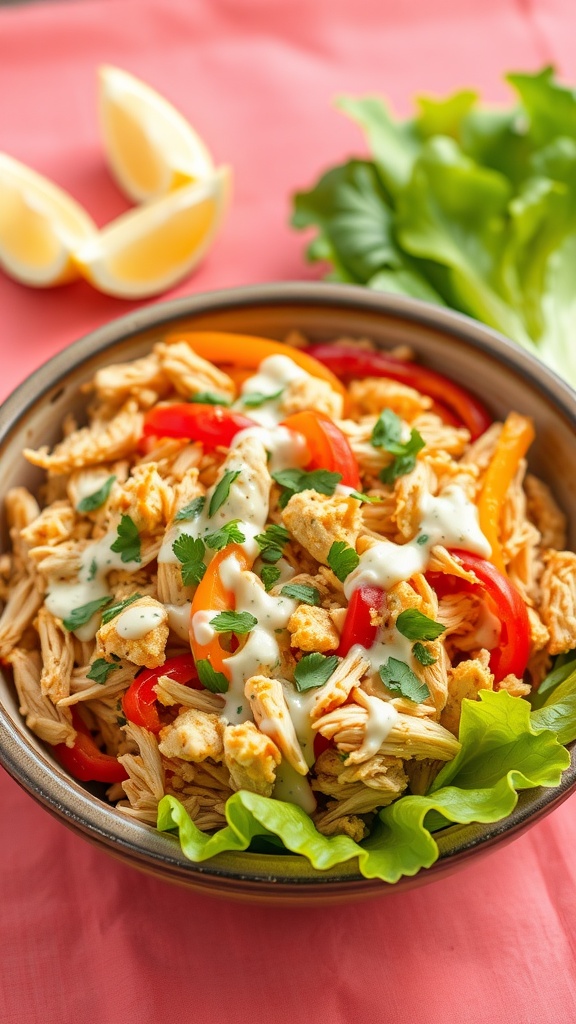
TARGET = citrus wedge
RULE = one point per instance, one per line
(40, 227)
(151, 148)
(146, 251)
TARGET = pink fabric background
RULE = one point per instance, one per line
(83, 938)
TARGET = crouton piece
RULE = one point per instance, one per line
(270, 710)
(138, 634)
(312, 629)
(558, 599)
(251, 758)
(145, 497)
(194, 735)
(316, 521)
(516, 687)
(465, 681)
(189, 373)
(102, 441)
(311, 393)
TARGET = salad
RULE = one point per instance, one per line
(282, 595)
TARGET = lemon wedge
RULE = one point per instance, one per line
(148, 250)
(40, 227)
(151, 149)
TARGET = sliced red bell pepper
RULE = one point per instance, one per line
(139, 701)
(359, 627)
(213, 425)
(85, 761)
(347, 361)
(511, 655)
(328, 446)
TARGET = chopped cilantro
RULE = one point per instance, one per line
(416, 626)
(127, 543)
(422, 654)
(295, 480)
(190, 553)
(190, 511)
(234, 622)
(399, 678)
(314, 670)
(269, 576)
(222, 490)
(422, 539)
(92, 570)
(210, 679)
(271, 542)
(100, 670)
(227, 534)
(387, 434)
(80, 616)
(257, 398)
(95, 500)
(301, 592)
(208, 398)
(360, 496)
(342, 559)
(115, 609)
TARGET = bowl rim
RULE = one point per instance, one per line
(74, 805)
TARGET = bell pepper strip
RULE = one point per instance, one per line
(212, 425)
(139, 701)
(328, 446)
(513, 651)
(212, 595)
(516, 437)
(359, 626)
(347, 361)
(248, 351)
(85, 761)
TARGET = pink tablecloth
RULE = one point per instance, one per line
(82, 938)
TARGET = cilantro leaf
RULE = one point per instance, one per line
(210, 679)
(127, 543)
(387, 432)
(208, 398)
(222, 490)
(314, 670)
(301, 592)
(190, 553)
(95, 500)
(80, 616)
(423, 655)
(422, 539)
(269, 576)
(342, 559)
(234, 622)
(272, 541)
(416, 626)
(115, 609)
(227, 534)
(405, 463)
(190, 511)
(93, 569)
(360, 496)
(399, 678)
(256, 398)
(295, 480)
(100, 670)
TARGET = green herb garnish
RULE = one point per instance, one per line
(314, 670)
(190, 553)
(422, 654)
(256, 398)
(371, 498)
(127, 543)
(422, 539)
(342, 559)
(190, 511)
(301, 592)
(222, 490)
(387, 434)
(80, 616)
(95, 500)
(93, 569)
(416, 626)
(399, 678)
(227, 534)
(208, 398)
(269, 576)
(100, 670)
(295, 480)
(210, 679)
(115, 609)
(272, 541)
(234, 622)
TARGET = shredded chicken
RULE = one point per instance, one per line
(317, 521)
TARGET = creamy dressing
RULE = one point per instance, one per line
(382, 718)
(389, 643)
(179, 619)
(203, 632)
(88, 483)
(300, 706)
(286, 448)
(134, 623)
(293, 788)
(274, 374)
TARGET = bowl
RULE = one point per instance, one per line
(498, 371)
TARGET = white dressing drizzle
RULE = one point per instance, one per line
(286, 448)
(179, 619)
(381, 719)
(274, 374)
(293, 788)
(134, 623)
(300, 707)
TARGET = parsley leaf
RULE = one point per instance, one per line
(314, 670)
(190, 553)
(422, 654)
(190, 511)
(208, 398)
(227, 534)
(387, 434)
(234, 622)
(295, 480)
(92, 570)
(301, 592)
(422, 539)
(100, 670)
(399, 678)
(416, 626)
(342, 559)
(256, 398)
(127, 543)
(360, 496)
(95, 500)
(271, 542)
(269, 576)
(210, 679)
(222, 490)
(80, 616)
(115, 609)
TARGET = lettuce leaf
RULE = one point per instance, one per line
(505, 748)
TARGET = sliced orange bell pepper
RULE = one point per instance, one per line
(514, 441)
(247, 351)
(329, 448)
(212, 595)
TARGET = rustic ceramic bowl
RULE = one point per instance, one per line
(474, 356)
